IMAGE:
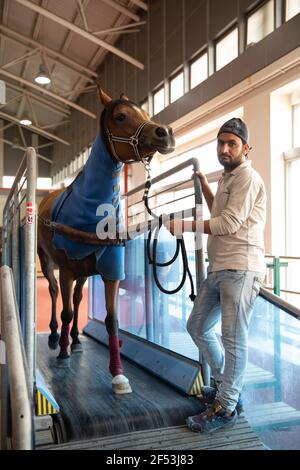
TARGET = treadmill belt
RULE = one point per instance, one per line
(89, 407)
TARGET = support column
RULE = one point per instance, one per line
(1, 153)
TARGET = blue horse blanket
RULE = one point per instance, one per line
(96, 190)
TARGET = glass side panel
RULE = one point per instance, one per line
(271, 391)
(272, 381)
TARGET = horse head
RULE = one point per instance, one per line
(130, 134)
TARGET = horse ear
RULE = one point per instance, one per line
(124, 97)
(104, 97)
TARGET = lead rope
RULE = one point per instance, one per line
(180, 245)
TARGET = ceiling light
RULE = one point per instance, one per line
(42, 77)
(25, 121)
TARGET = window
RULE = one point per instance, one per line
(296, 126)
(227, 49)
(198, 70)
(159, 100)
(176, 87)
(260, 23)
(292, 8)
(44, 183)
(79, 160)
(86, 154)
(41, 183)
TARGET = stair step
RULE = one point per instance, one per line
(257, 376)
(272, 415)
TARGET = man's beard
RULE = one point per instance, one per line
(231, 165)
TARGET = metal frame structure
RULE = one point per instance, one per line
(21, 364)
(11, 224)
(21, 410)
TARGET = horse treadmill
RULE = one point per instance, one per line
(90, 409)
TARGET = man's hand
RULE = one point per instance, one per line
(175, 226)
(202, 177)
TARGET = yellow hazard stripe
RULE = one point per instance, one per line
(39, 403)
(196, 387)
(44, 407)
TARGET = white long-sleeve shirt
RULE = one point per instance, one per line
(238, 217)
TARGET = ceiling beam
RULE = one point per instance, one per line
(140, 4)
(38, 22)
(120, 29)
(55, 108)
(44, 91)
(82, 32)
(35, 129)
(82, 13)
(69, 35)
(12, 100)
(5, 12)
(17, 146)
(22, 40)
(20, 59)
(121, 9)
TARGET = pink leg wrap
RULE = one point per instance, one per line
(115, 365)
(64, 339)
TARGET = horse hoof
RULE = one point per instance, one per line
(121, 385)
(63, 362)
(76, 348)
(53, 340)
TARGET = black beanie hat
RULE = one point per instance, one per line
(237, 127)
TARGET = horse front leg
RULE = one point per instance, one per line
(77, 298)
(66, 284)
(120, 383)
(48, 271)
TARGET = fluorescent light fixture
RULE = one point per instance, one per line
(25, 121)
(42, 77)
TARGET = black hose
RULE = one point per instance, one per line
(180, 246)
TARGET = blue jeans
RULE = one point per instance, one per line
(229, 295)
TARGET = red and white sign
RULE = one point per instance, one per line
(29, 213)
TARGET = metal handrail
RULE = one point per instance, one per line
(21, 368)
(282, 257)
(27, 170)
(20, 397)
(280, 303)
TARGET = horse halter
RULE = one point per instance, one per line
(133, 141)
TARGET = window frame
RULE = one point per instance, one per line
(171, 79)
(251, 12)
(155, 91)
(192, 61)
(219, 39)
(285, 12)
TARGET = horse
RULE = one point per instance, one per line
(126, 135)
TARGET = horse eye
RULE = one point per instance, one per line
(120, 117)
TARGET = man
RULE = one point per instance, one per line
(236, 269)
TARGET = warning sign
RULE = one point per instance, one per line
(29, 213)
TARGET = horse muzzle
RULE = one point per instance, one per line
(159, 139)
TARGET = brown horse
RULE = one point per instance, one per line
(129, 136)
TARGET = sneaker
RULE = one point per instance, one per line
(214, 418)
(209, 395)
